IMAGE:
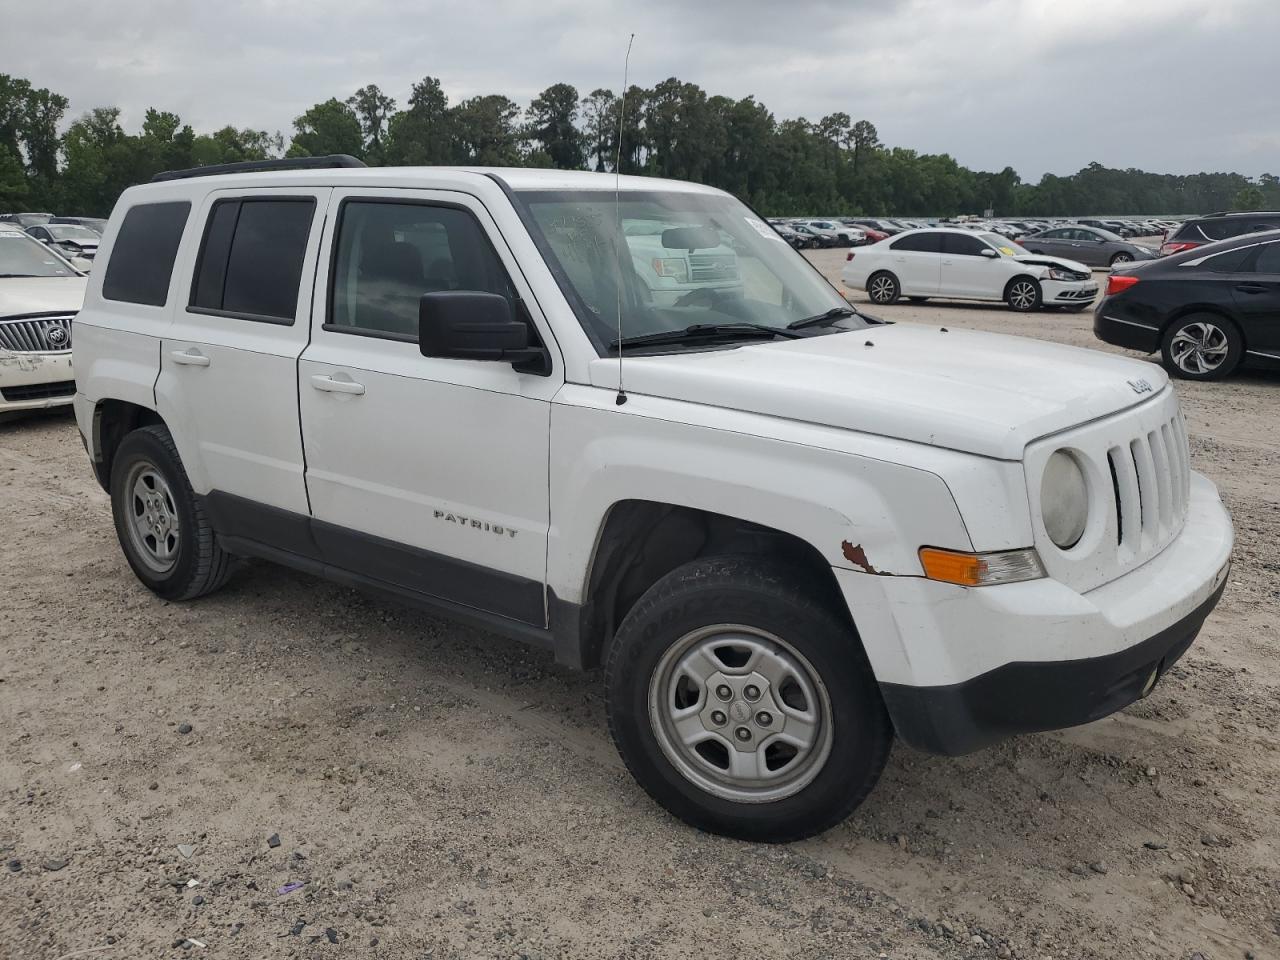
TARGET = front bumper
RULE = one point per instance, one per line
(35, 381)
(1068, 291)
(961, 668)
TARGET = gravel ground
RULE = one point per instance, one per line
(443, 793)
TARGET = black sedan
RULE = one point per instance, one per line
(1207, 310)
(1091, 246)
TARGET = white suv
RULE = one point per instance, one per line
(786, 530)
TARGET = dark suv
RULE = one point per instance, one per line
(1218, 226)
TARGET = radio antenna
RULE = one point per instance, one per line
(618, 238)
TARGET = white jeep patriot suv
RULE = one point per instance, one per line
(786, 530)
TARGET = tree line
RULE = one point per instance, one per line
(674, 129)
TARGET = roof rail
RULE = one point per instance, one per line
(1239, 213)
(250, 166)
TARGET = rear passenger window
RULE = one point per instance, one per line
(1268, 259)
(390, 254)
(250, 263)
(141, 261)
(919, 243)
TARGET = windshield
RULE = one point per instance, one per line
(1006, 246)
(689, 258)
(67, 232)
(23, 257)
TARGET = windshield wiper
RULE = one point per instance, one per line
(705, 331)
(823, 319)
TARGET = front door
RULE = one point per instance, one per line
(966, 272)
(424, 473)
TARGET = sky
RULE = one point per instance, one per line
(1171, 86)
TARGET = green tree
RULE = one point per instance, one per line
(487, 130)
(552, 120)
(374, 109)
(327, 128)
(1248, 198)
(601, 127)
(424, 133)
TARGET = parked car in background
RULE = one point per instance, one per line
(1207, 310)
(820, 238)
(964, 265)
(71, 240)
(801, 241)
(843, 235)
(25, 220)
(96, 224)
(1091, 246)
(679, 263)
(1218, 226)
(882, 226)
(39, 294)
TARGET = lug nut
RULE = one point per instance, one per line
(764, 719)
(723, 692)
(718, 718)
(751, 691)
(742, 733)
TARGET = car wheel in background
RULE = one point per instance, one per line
(1122, 257)
(740, 700)
(883, 288)
(1202, 346)
(1023, 294)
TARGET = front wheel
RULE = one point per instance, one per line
(1122, 257)
(161, 526)
(744, 704)
(883, 289)
(1023, 294)
(1202, 346)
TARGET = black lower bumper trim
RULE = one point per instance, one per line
(1025, 697)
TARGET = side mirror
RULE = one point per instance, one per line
(989, 253)
(470, 325)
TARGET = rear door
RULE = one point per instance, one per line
(916, 259)
(228, 366)
(1256, 292)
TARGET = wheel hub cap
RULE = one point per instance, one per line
(153, 517)
(741, 713)
(1199, 348)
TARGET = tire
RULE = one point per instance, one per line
(883, 288)
(1202, 346)
(1023, 294)
(161, 525)
(1122, 257)
(710, 613)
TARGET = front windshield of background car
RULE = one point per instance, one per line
(689, 258)
(1006, 246)
(69, 232)
(24, 257)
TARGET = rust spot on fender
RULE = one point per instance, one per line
(854, 553)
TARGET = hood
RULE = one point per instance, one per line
(983, 393)
(1036, 260)
(25, 295)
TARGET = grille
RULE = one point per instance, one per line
(45, 334)
(1150, 480)
(39, 391)
(712, 266)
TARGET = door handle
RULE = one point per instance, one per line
(332, 385)
(190, 357)
(1251, 288)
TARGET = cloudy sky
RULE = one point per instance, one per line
(1042, 85)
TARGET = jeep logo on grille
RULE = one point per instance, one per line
(1140, 386)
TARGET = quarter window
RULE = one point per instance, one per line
(390, 254)
(141, 261)
(1268, 259)
(251, 259)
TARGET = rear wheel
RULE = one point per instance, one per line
(161, 526)
(1023, 294)
(743, 703)
(883, 288)
(1202, 346)
(1122, 257)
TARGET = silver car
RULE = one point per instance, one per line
(1091, 246)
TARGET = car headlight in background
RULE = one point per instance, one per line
(1056, 274)
(675, 268)
(1064, 500)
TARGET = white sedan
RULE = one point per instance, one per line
(966, 265)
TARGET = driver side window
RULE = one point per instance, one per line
(962, 245)
(388, 254)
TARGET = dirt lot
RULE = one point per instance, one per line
(443, 793)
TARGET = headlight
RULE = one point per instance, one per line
(674, 268)
(1056, 274)
(1064, 500)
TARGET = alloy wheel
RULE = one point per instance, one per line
(1199, 348)
(1022, 295)
(882, 290)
